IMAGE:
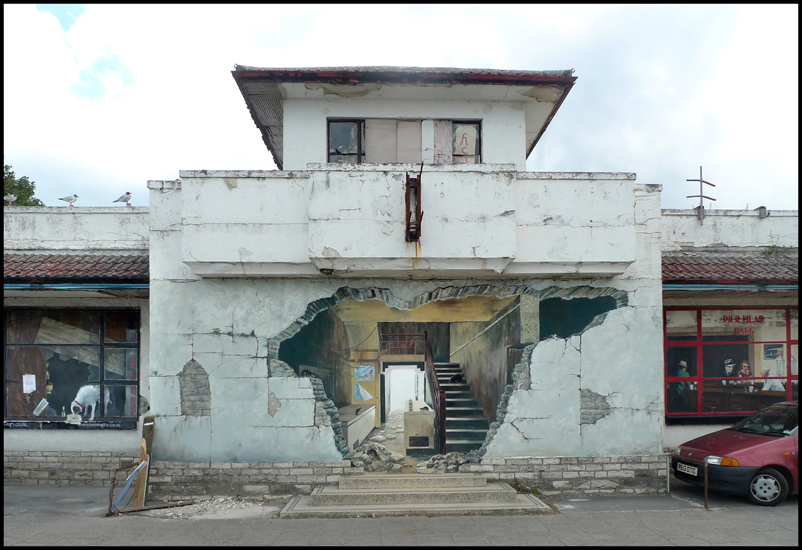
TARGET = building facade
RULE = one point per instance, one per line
(278, 301)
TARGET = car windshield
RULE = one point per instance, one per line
(777, 420)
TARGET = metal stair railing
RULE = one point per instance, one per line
(438, 395)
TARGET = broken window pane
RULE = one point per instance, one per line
(58, 374)
(119, 364)
(120, 401)
(466, 146)
(54, 358)
(121, 326)
(346, 141)
(63, 327)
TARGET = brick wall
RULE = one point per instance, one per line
(62, 467)
(587, 475)
(181, 479)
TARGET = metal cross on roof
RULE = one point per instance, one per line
(701, 196)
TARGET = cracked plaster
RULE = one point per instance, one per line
(620, 359)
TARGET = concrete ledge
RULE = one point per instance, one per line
(301, 507)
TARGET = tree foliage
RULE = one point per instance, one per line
(22, 187)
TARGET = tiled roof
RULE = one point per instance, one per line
(755, 267)
(74, 268)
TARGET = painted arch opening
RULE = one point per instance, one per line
(363, 349)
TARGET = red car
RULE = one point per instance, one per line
(757, 457)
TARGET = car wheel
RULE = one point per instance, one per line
(767, 488)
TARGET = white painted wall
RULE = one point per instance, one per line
(729, 228)
(86, 229)
(485, 220)
(503, 124)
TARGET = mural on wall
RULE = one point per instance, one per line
(76, 366)
(482, 334)
(361, 394)
(364, 373)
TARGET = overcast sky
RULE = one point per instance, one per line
(98, 99)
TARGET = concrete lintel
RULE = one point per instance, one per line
(370, 266)
(601, 269)
(251, 269)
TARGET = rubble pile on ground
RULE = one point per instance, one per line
(375, 457)
(447, 463)
(234, 507)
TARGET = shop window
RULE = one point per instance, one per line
(57, 358)
(741, 360)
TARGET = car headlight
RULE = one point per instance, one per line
(721, 461)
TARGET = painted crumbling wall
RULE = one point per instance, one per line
(260, 412)
(481, 350)
(480, 221)
(597, 393)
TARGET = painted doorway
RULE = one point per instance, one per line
(402, 383)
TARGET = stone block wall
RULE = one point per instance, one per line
(63, 467)
(550, 475)
(181, 479)
(582, 475)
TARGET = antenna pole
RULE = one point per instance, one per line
(701, 196)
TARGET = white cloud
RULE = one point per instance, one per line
(661, 89)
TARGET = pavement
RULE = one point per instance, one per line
(40, 515)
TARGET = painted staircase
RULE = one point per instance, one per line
(376, 495)
(466, 425)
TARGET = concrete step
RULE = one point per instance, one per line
(468, 423)
(461, 402)
(301, 507)
(454, 412)
(449, 387)
(462, 445)
(462, 434)
(459, 395)
(326, 495)
(414, 481)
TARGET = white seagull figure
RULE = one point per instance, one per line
(70, 199)
(125, 198)
(10, 198)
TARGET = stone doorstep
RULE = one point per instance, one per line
(498, 492)
(301, 507)
(388, 481)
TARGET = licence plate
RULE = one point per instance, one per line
(690, 470)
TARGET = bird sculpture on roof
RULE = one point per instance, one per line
(10, 198)
(125, 198)
(70, 199)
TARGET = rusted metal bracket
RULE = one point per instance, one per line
(414, 215)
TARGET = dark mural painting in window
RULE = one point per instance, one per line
(729, 361)
(50, 355)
